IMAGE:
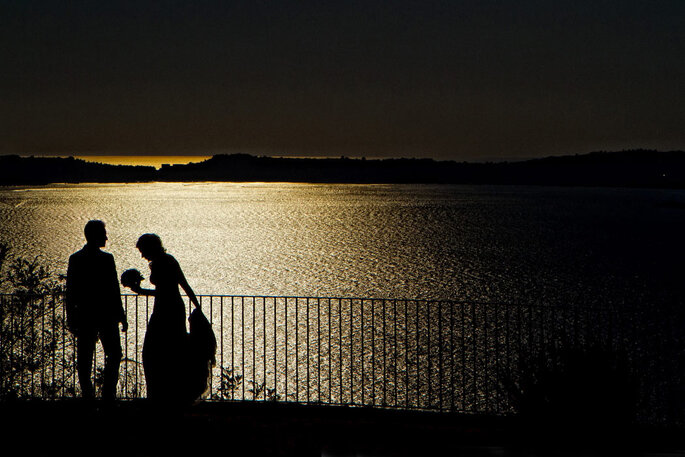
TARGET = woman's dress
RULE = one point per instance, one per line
(166, 340)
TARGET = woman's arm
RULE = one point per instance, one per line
(186, 287)
(139, 290)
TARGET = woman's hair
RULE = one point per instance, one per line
(151, 243)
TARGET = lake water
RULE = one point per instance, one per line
(570, 248)
(506, 244)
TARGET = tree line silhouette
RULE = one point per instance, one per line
(631, 168)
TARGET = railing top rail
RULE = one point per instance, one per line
(624, 307)
(426, 301)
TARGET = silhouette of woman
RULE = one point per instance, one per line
(165, 349)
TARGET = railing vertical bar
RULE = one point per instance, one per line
(330, 360)
(440, 365)
(54, 351)
(10, 355)
(385, 385)
(242, 348)
(137, 343)
(429, 373)
(541, 338)
(275, 349)
(394, 323)
(264, 341)
(255, 388)
(362, 384)
(340, 399)
(611, 335)
(531, 335)
(6, 309)
(221, 339)
(285, 347)
(211, 322)
(3, 307)
(30, 389)
(351, 357)
(373, 352)
(13, 319)
(147, 320)
(486, 358)
(531, 330)
(340, 348)
(126, 375)
(13, 327)
(64, 344)
(93, 372)
(406, 353)
(496, 330)
(463, 357)
(48, 350)
(418, 359)
(575, 325)
(35, 353)
(10, 344)
(507, 319)
(233, 343)
(42, 345)
(72, 337)
(297, 351)
(452, 404)
(308, 358)
(22, 351)
(519, 327)
(475, 357)
(318, 346)
(32, 311)
(31, 351)
(586, 327)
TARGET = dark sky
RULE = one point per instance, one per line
(465, 80)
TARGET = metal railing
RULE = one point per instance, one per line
(443, 356)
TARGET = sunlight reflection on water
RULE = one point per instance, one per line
(398, 241)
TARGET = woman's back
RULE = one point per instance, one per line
(169, 310)
(165, 274)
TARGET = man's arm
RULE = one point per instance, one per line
(116, 296)
(70, 297)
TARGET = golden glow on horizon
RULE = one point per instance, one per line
(154, 161)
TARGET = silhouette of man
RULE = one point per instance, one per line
(94, 309)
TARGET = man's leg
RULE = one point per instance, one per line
(111, 344)
(85, 348)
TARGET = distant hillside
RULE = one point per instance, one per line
(636, 168)
(44, 170)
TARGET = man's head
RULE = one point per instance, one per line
(96, 234)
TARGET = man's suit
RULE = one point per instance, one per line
(94, 311)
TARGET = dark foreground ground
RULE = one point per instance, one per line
(136, 428)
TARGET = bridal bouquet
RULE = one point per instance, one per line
(131, 278)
